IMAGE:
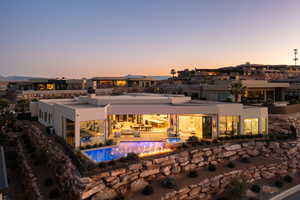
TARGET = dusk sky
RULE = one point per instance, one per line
(86, 38)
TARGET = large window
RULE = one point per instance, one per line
(251, 126)
(229, 125)
(92, 132)
(264, 125)
(146, 126)
(190, 125)
(70, 132)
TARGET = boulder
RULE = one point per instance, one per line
(138, 185)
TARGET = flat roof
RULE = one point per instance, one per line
(3, 173)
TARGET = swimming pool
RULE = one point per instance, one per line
(125, 147)
(122, 149)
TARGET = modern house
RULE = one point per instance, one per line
(94, 119)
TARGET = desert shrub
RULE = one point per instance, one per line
(109, 142)
(236, 188)
(184, 145)
(168, 182)
(288, 179)
(278, 183)
(48, 182)
(54, 194)
(148, 190)
(255, 188)
(231, 165)
(112, 163)
(102, 165)
(132, 157)
(192, 174)
(211, 168)
(245, 160)
(193, 139)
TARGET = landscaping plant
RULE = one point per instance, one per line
(255, 188)
(231, 165)
(168, 182)
(211, 168)
(288, 179)
(278, 183)
(236, 188)
(192, 174)
(148, 190)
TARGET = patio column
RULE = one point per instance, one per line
(215, 126)
(77, 133)
(242, 125)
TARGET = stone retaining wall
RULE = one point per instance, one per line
(216, 185)
(136, 176)
(65, 172)
(29, 180)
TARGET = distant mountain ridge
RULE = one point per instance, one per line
(17, 78)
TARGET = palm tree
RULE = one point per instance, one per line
(238, 90)
(173, 72)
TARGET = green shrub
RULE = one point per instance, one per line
(278, 183)
(168, 182)
(236, 188)
(148, 190)
(231, 165)
(288, 179)
(184, 145)
(132, 157)
(112, 163)
(102, 165)
(192, 174)
(255, 188)
(211, 168)
(245, 160)
(109, 142)
(193, 139)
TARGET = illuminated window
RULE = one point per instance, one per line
(251, 126)
(92, 132)
(50, 86)
(121, 83)
(229, 125)
(190, 125)
(264, 125)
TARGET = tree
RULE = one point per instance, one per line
(23, 104)
(4, 103)
(173, 72)
(238, 90)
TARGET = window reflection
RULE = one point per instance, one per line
(92, 132)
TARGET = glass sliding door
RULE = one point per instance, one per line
(70, 132)
(207, 127)
(92, 132)
(229, 126)
(190, 124)
(251, 126)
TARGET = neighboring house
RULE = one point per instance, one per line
(143, 117)
(3, 176)
(47, 88)
(257, 91)
(129, 81)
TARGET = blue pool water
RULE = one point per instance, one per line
(122, 149)
(173, 140)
